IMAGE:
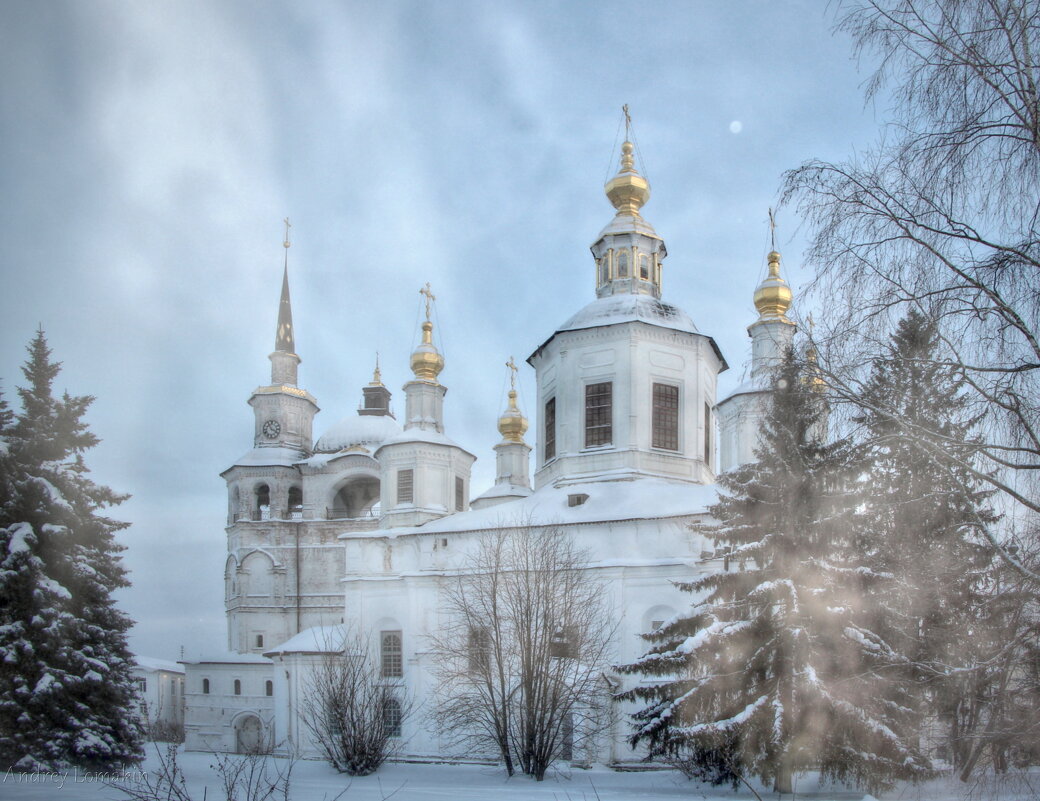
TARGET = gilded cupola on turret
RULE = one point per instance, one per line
(427, 362)
(512, 425)
(628, 191)
(773, 296)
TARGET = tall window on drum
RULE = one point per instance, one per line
(644, 266)
(622, 264)
(550, 429)
(599, 399)
(666, 417)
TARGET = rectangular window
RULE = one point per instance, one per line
(707, 434)
(550, 429)
(666, 417)
(142, 685)
(479, 648)
(460, 494)
(259, 640)
(405, 486)
(598, 414)
(392, 717)
(391, 663)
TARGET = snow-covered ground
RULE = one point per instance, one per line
(316, 781)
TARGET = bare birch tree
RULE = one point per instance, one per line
(943, 216)
(521, 656)
(354, 714)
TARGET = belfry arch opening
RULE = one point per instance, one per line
(262, 509)
(357, 497)
(295, 502)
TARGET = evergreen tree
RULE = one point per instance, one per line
(924, 517)
(66, 689)
(773, 672)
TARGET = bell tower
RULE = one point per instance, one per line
(425, 475)
(284, 413)
(742, 412)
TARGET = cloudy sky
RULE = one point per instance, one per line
(151, 150)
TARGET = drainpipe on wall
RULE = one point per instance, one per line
(297, 527)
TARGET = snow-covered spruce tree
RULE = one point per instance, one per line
(65, 684)
(923, 526)
(773, 672)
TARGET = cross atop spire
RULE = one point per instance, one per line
(430, 297)
(772, 230)
(628, 121)
(512, 372)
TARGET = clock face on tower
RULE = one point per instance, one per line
(272, 429)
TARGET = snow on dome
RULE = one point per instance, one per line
(357, 429)
(615, 309)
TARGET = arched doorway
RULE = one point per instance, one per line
(249, 735)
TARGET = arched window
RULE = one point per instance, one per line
(205, 686)
(601, 265)
(269, 688)
(238, 686)
(263, 503)
(392, 717)
(295, 503)
(622, 264)
(390, 654)
(644, 266)
(235, 504)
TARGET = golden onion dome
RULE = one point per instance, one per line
(773, 296)
(512, 424)
(628, 191)
(427, 363)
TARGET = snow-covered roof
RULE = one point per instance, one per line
(357, 429)
(151, 663)
(227, 658)
(315, 640)
(505, 490)
(421, 435)
(626, 308)
(629, 308)
(622, 499)
(748, 387)
(626, 224)
(263, 457)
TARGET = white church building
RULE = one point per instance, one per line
(362, 525)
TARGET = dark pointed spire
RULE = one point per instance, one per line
(284, 337)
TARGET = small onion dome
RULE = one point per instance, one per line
(773, 296)
(814, 379)
(427, 363)
(512, 424)
(628, 191)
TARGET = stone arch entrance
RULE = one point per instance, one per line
(249, 735)
(355, 498)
